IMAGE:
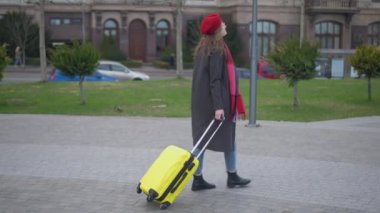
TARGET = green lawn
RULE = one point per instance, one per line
(320, 99)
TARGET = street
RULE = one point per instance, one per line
(14, 74)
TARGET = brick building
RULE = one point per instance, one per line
(143, 28)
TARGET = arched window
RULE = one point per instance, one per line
(374, 34)
(266, 41)
(162, 35)
(329, 34)
(110, 28)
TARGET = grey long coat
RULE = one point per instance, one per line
(210, 91)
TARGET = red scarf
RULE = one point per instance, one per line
(236, 100)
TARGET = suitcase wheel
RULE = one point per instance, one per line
(164, 205)
(138, 189)
(152, 195)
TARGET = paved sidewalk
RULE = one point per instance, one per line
(82, 164)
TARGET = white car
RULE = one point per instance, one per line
(119, 71)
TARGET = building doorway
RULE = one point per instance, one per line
(137, 40)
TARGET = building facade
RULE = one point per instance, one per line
(144, 28)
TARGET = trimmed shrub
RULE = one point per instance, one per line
(296, 61)
(366, 61)
(165, 55)
(132, 63)
(161, 64)
(4, 61)
(79, 59)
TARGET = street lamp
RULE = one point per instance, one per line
(253, 80)
(41, 24)
(179, 19)
(42, 41)
(83, 24)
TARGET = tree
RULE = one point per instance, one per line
(110, 50)
(4, 60)
(79, 59)
(234, 42)
(41, 33)
(296, 61)
(32, 43)
(18, 26)
(32, 46)
(366, 60)
(193, 32)
(232, 38)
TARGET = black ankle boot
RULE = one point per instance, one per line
(235, 180)
(200, 184)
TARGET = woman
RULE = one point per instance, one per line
(215, 95)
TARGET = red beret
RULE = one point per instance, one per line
(210, 23)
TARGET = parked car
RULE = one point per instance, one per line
(58, 75)
(264, 70)
(246, 73)
(119, 71)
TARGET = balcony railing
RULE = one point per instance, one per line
(136, 2)
(332, 4)
(345, 7)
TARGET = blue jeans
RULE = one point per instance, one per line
(18, 61)
(229, 158)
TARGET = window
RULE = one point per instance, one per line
(55, 21)
(162, 35)
(104, 67)
(76, 21)
(65, 21)
(110, 28)
(117, 68)
(110, 24)
(266, 32)
(374, 34)
(269, 70)
(201, 2)
(328, 34)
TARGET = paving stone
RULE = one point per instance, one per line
(60, 164)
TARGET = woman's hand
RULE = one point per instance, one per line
(219, 114)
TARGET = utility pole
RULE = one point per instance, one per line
(83, 24)
(302, 21)
(253, 80)
(179, 57)
(42, 41)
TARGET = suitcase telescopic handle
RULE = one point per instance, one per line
(203, 135)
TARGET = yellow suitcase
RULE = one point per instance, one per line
(171, 171)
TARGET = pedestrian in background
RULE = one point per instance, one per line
(216, 95)
(172, 61)
(18, 54)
